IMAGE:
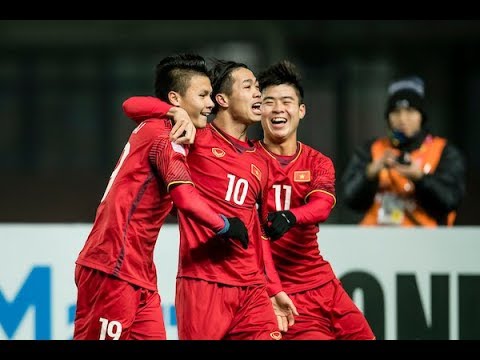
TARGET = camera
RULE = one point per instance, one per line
(404, 158)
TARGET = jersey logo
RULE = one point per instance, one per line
(218, 152)
(179, 148)
(301, 176)
(276, 335)
(256, 172)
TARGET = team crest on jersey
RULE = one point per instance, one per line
(256, 172)
(276, 335)
(301, 176)
(218, 152)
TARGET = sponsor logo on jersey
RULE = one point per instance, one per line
(218, 152)
(276, 335)
(301, 176)
(256, 172)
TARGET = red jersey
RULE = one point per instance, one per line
(232, 177)
(296, 254)
(135, 205)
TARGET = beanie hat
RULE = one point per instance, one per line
(406, 92)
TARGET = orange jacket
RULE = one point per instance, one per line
(390, 181)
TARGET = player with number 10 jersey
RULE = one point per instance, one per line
(231, 176)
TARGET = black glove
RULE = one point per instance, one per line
(279, 223)
(234, 229)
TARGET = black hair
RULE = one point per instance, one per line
(221, 77)
(173, 73)
(283, 72)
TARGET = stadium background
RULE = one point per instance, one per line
(62, 84)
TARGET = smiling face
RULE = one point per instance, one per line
(197, 101)
(244, 99)
(281, 113)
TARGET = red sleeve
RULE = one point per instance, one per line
(274, 285)
(323, 176)
(316, 210)
(170, 161)
(188, 200)
(321, 195)
(140, 108)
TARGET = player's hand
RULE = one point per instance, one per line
(284, 309)
(235, 229)
(279, 222)
(183, 131)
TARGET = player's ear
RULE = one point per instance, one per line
(221, 100)
(174, 98)
(302, 110)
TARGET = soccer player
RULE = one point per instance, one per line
(115, 274)
(221, 287)
(301, 195)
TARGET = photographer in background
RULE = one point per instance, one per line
(410, 177)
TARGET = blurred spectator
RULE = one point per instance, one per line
(409, 177)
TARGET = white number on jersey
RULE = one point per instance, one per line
(236, 189)
(278, 197)
(125, 152)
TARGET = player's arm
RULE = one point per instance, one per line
(283, 306)
(318, 203)
(187, 199)
(274, 284)
(316, 210)
(140, 108)
(169, 160)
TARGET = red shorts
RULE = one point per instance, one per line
(328, 313)
(112, 309)
(214, 311)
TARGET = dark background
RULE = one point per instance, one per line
(62, 84)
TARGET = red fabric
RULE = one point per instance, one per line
(126, 313)
(187, 200)
(301, 185)
(274, 285)
(220, 312)
(140, 108)
(328, 313)
(136, 203)
(232, 182)
(134, 207)
(316, 210)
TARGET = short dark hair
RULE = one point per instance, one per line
(173, 73)
(282, 72)
(221, 77)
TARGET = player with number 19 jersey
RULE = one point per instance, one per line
(293, 179)
(135, 205)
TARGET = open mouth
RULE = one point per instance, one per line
(278, 121)
(256, 108)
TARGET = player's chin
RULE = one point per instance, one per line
(200, 123)
(278, 134)
(256, 118)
